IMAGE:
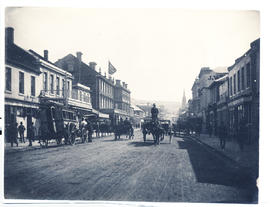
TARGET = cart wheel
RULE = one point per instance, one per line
(72, 139)
(59, 141)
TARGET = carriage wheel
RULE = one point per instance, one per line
(71, 139)
(59, 140)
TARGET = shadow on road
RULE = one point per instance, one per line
(209, 168)
(141, 144)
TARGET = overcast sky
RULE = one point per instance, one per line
(158, 52)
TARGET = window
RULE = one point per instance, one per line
(51, 83)
(68, 88)
(21, 82)
(57, 85)
(80, 95)
(63, 87)
(33, 86)
(248, 75)
(234, 84)
(8, 79)
(45, 81)
(243, 78)
(238, 80)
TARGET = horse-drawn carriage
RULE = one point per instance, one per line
(58, 122)
(153, 127)
(123, 128)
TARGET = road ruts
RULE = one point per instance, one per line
(126, 170)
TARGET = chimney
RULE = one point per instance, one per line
(118, 82)
(9, 35)
(124, 84)
(79, 56)
(92, 65)
(46, 54)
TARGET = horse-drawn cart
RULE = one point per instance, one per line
(59, 122)
(153, 127)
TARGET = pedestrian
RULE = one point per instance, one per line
(222, 133)
(21, 130)
(31, 134)
(170, 133)
(14, 134)
(90, 130)
(209, 129)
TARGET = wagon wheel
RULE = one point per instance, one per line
(59, 140)
(71, 138)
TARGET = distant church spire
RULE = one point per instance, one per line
(184, 101)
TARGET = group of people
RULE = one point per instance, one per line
(14, 130)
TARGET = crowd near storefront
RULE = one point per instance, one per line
(32, 80)
(229, 99)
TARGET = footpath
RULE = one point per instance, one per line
(247, 158)
(35, 144)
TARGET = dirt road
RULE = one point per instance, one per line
(129, 170)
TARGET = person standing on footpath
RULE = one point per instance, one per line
(222, 133)
(90, 130)
(31, 134)
(14, 134)
(21, 130)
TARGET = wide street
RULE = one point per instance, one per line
(126, 170)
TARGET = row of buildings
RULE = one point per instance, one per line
(230, 96)
(31, 78)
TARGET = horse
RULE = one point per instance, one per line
(155, 129)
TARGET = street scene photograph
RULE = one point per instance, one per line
(139, 105)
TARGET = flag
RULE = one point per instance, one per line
(111, 69)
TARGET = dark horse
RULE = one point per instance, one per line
(123, 129)
(155, 129)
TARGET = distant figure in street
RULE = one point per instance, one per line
(170, 133)
(222, 133)
(154, 112)
(21, 130)
(89, 128)
(31, 134)
(241, 134)
(13, 134)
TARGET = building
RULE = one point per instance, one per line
(122, 100)
(216, 99)
(22, 86)
(201, 93)
(244, 83)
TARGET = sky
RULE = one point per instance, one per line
(158, 52)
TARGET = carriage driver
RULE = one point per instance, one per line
(126, 122)
(154, 112)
